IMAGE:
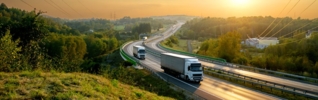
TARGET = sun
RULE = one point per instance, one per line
(240, 2)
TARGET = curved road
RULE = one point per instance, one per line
(210, 88)
(291, 83)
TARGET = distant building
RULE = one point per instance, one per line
(309, 32)
(91, 30)
(262, 42)
(251, 41)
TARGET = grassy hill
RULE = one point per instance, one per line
(53, 85)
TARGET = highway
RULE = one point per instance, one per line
(210, 88)
(286, 82)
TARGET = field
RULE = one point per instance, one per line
(53, 85)
(119, 27)
(183, 45)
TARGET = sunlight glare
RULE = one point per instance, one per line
(240, 2)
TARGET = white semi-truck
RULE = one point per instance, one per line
(185, 67)
(139, 52)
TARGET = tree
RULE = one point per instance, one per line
(142, 28)
(229, 45)
(69, 50)
(9, 56)
(112, 44)
(95, 47)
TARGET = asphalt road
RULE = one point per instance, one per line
(210, 88)
(273, 79)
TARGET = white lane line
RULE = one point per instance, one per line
(160, 70)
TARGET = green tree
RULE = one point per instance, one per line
(229, 45)
(95, 47)
(112, 44)
(68, 50)
(9, 56)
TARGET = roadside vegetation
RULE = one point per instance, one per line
(53, 58)
(56, 85)
(222, 37)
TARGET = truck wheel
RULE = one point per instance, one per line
(187, 78)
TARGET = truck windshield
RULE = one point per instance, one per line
(196, 67)
(142, 51)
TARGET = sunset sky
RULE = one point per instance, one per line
(111, 9)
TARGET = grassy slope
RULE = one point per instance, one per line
(182, 45)
(52, 85)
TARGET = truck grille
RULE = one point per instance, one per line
(197, 74)
(197, 78)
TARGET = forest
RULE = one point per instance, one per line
(31, 41)
(48, 58)
(222, 37)
(254, 26)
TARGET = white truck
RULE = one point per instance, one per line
(185, 67)
(144, 38)
(139, 52)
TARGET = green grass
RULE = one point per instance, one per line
(183, 45)
(119, 27)
(195, 46)
(54, 85)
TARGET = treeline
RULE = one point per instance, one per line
(205, 28)
(296, 56)
(131, 22)
(85, 25)
(90, 25)
(30, 41)
(292, 56)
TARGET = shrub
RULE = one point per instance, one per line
(9, 56)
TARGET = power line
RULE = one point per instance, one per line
(295, 30)
(27, 4)
(60, 7)
(293, 6)
(86, 7)
(282, 19)
(55, 7)
(296, 35)
(72, 8)
(308, 7)
(294, 20)
(274, 19)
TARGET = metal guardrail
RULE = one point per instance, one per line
(261, 83)
(275, 73)
(255, 81)
(313, 81)
(282, 87)
(125, 56)
(194, 96)
(136, 62)
(277, 86)
(210, 59)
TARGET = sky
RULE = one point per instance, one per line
(115, 9)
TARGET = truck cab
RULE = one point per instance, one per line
(139, 52)
(194, 70)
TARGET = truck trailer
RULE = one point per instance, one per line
(139, 52)
(184, 67)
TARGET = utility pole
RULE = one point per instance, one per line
(115, 16)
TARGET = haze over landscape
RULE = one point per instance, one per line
(115, 9)
(159, 49)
